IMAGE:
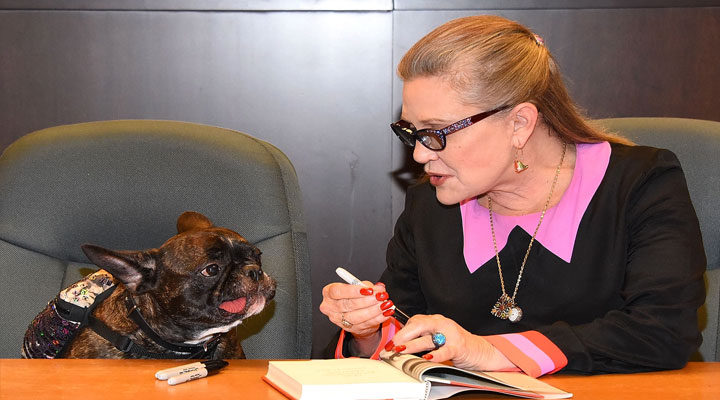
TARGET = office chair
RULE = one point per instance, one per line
(697, 144)
(122, 185)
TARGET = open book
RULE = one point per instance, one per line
(396, 376)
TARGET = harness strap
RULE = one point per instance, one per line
(135, 315)
(128, 346)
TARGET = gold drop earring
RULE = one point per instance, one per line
(518, 165)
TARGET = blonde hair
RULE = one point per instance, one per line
(492, 62)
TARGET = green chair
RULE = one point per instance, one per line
(697, 145)
(122, 184)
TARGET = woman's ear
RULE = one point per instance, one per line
(524, 120)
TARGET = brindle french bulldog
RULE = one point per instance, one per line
(191, 292)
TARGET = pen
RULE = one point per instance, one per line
(165, 374)
(351, 279)
(210, 366)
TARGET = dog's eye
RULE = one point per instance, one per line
(210, 270)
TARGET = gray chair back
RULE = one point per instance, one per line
(697, 145)
(122, 185)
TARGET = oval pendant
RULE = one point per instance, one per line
(515, 314)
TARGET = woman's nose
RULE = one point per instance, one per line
(422, 154)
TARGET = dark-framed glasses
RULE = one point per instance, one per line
(434, 139)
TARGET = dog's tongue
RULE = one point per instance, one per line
(234, 306)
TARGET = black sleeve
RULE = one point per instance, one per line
(657, 326)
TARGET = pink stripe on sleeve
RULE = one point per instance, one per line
(545, 363)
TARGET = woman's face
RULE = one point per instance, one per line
(476, 159)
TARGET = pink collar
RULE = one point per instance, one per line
(560, 224)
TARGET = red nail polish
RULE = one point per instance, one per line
(400, 348)
(387, 304)
(389, 346)
(366, 291)
(428, 356)
(389, 312)
(382, 296)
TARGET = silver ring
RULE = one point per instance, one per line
(438, 340)
(345, 322)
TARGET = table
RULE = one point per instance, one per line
(242, 379)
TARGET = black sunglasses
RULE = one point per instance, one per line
(434, 139)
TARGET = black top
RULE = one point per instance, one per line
(626, 302)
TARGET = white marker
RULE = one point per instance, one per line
(351, 279)
(193, 373)
(164, 374)
(200, 372)
(348, 277)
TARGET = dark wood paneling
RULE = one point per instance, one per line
(316, 85)
(320, 85)
(545, 4)
(201, 5)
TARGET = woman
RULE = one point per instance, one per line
(538, 242)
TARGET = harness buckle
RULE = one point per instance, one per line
(131, 305)
(210, 342)
(124, 344)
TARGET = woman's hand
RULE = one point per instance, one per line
(464, 349)
(362, 308)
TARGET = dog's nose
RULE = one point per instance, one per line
(253, 272)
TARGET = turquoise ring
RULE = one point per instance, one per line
(438, 340)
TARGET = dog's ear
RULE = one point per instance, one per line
(192, 220)
(136, 269)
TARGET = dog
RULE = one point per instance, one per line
(181, 300)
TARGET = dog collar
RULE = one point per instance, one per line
(126, 345)
(202, 349)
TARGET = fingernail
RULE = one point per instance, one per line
(387, 304)
(389, 312)
(382, 296)
(400, 348)
(389, 346)
(380, 284)
(427, 356)
(366, 291)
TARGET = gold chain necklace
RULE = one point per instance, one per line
(505, 307)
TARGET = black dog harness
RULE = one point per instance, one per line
(127, 345)
(52, 331)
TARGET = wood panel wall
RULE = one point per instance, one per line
(316, 78)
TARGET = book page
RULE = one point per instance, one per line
(526, 382)
(408, 363)
(449, 380)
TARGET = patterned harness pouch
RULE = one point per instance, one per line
(52, 331)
